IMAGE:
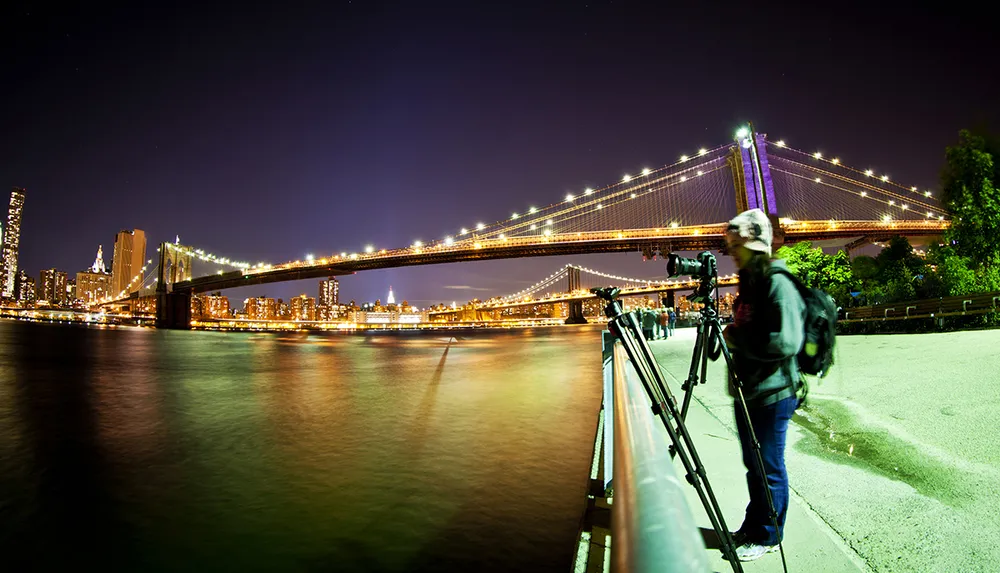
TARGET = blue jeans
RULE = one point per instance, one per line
(770, 424)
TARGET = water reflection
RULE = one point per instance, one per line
(168, 451)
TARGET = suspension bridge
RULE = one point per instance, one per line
(683, 206)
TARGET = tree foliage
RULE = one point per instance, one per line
(970, 193)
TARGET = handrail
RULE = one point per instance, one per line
(652, 527)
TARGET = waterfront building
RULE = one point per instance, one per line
(25, 289)
(261, 308)
(52, 287)
(303, 308)
(94, 284)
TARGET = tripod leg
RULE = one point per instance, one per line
(665, 407)
(692, 379)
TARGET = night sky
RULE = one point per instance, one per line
(268, 133)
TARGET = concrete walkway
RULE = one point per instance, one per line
(893, 464)
(810, 544)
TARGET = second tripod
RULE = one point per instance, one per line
(626, 328)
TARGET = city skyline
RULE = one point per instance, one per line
(539, 122)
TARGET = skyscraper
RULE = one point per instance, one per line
(130, 254)
(329, 292)
(11, 241)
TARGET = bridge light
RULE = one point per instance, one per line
(673, 225)
(780, 143)
(548, 232)
(514, 216)
(646, 171)
(480, 226)
(914, 189)
(885, 178)
(929, 214)
(702, 151)
(835, 161)
(817, 180)
(684, 158)
(626, 178)
(940, 217)
(599, 206)
(502, 236)
(869, 172)
(588, 191)
(817, 155)
(742, 133)
(418, 244)
(699, 173)
(569, 197)
(633, 195)
(309, 258)
(904, 207)
(891, 202)
(886, 218)
(864, 193)
(927, 194)
(683, 178)
(548, 222)
(532, 210)
(369, 248)
(220, 272)
(449, 241)
(343, 255)
(532, 227)
(463, 231)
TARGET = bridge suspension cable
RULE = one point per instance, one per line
(806, 180)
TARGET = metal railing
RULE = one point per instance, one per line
(652, 526)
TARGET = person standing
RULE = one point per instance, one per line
(765, 337)
(663, 320)
(648, 322)
(671, 320)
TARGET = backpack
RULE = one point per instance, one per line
(816, 356)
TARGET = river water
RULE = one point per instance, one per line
(129, 449)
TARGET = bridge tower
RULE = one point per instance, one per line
(575, 315)
(173, 307)
(752, 178)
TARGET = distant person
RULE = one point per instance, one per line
(647, 323)
(671, 320)
(766, 335)
(664, 321)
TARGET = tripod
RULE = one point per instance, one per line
(709, 332)
(626, 328)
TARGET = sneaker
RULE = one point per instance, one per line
(752, 551)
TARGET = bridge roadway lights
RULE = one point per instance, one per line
(173, 310)
(576, 313)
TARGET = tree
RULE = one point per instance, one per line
(970, 193)
(816, 269)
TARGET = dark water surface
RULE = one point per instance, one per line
(145, 450)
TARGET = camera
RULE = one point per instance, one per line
(704, 266)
